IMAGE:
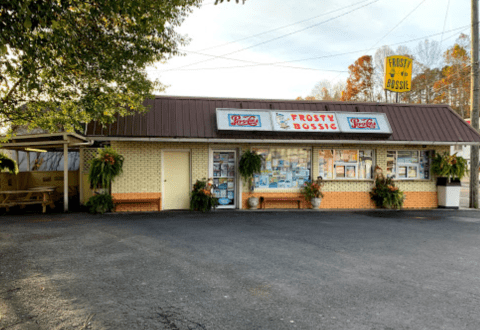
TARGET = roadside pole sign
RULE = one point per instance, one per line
(398, 74)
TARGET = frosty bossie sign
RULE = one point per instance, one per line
(305, 121)
(398, 74)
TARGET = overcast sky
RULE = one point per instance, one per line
(329, 30)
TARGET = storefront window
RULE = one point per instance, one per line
(345, 164)
(408, 164)
(284, 168)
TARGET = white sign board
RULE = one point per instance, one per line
(244, 120)
(363, 122)
(304, 121)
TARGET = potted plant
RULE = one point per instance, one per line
(384, 192)
(104, 168)
(250, 163)
(449, 169)
(313, 192)
(201, 198)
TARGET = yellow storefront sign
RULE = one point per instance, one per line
(398, 74)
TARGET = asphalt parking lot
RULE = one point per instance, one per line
(241, 270)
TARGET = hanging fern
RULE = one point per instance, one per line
(8, 164)
(104, 168)
(250, 163)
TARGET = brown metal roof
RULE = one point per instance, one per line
(194, 117)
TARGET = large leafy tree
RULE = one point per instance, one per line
(64, 62)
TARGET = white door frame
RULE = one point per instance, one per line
(237, 197)
(162, 155)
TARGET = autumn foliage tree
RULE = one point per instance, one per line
(360, 81)
(454, 86)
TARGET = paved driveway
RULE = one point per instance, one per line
(241, 270)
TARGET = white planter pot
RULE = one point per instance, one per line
(253, 202)
(449, 196)
(315, 203)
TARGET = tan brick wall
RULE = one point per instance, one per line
(143, 164)
(142, 167)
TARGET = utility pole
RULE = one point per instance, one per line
(474, 107)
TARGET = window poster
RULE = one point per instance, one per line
(340, 171)
(350, 172)
(282, 168)
(402, 171)
(263, 181)
(224, 177)
(412, 172)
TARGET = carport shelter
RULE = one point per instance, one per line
(185, 139)
(31, 179)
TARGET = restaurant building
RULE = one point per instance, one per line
(185, 139)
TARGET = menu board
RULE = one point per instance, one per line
(224, 177)
(283, 168)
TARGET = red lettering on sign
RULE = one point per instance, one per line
(296, 126)
(294, 116)
(332, 126)
(368, 123)
(316, 117)
(309, 118)
(305, 126)
(323, 117)
(244, 121)
(320, 126)
(330, 117)
(301, 117)
(313, 126)
(326, 125)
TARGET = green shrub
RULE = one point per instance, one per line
(385, 194)
(100, 203)
(104, 168)
(312, 190)
(452, 167)
(201, 198)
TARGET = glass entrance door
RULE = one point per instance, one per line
(224, 173)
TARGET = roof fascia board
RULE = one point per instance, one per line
(277, 141)
(33, 144)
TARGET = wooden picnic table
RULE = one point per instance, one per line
(36, 195)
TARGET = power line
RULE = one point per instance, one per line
(255, 64)
(445, 21)
(273, 39)
(397, 25)
(279, 28)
